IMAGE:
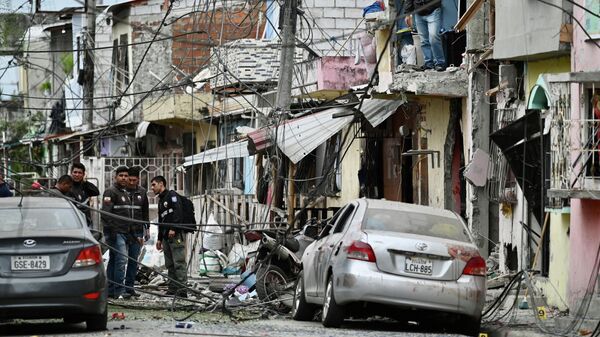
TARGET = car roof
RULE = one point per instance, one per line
(405, 207)
(35, 202)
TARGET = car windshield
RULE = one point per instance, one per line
(33, 219)
(415, 223)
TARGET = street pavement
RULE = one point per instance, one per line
(153, 323)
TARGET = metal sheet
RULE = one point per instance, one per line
(229, 151)
(376, 111)
(300, 136)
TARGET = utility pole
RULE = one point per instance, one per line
(286, 61)
(88, 63)
(284, 90)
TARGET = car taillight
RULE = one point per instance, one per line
(475, 266)
(92, 296)
(359, 250)
(88, 257)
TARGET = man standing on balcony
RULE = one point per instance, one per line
(428, 19)
(139, 213)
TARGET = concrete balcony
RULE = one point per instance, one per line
(177, 108)
(329, 77)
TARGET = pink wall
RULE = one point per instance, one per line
(585, 214)
(585, 56)
(340, 73)
(585, 238)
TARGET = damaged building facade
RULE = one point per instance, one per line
(506, 136)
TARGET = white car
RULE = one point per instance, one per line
(394, 259)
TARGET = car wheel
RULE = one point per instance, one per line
(333, 314)
(97, 322)
(469, 326)
(301, 310)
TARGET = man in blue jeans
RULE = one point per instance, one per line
(115, 201)
(139, 212)
(428, 19)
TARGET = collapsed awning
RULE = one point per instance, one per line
(376, 111)
(228, 151)
(298, 137)
(523, 145)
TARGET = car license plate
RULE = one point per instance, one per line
(418, 265)
(27, 263)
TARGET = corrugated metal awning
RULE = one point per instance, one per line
(376, 111)
(298, 137)
(228, 151)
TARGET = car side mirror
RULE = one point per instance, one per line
(325, 231)
(311, 231)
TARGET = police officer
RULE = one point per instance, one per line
(139, 211)
(83, 189)
(116, 201)
(171, 239)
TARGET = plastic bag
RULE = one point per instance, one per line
(209, 263)
(212, 236)
(409, 54)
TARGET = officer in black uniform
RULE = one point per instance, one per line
(116, 201)
(171, 239)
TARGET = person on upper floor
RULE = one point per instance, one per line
(428, 19)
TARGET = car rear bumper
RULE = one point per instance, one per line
(360, 281)
(56, 296)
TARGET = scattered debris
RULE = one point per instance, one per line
(118, 316)
(184, 325)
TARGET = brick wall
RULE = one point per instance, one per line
(193, 50)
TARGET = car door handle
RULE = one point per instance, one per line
(331, 246)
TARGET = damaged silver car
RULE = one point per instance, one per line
(50, 263)
(378, 257)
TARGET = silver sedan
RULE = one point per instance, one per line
(394, 259)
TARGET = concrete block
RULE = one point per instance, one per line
(325, 23)
(363, 3)
(316, 12)
(333, 13)
(345, 3)
(346, 23)
(308, 4)
(353, 13)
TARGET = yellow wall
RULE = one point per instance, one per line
(555, 287)
(350, 166)
(437, 116)
(553, 65)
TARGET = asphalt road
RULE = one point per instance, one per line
(213, 325)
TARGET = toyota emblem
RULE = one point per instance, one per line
(421, 246)
(29, 243)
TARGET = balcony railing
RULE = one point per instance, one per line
(575, 159)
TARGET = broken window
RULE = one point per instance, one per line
(120, 63)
